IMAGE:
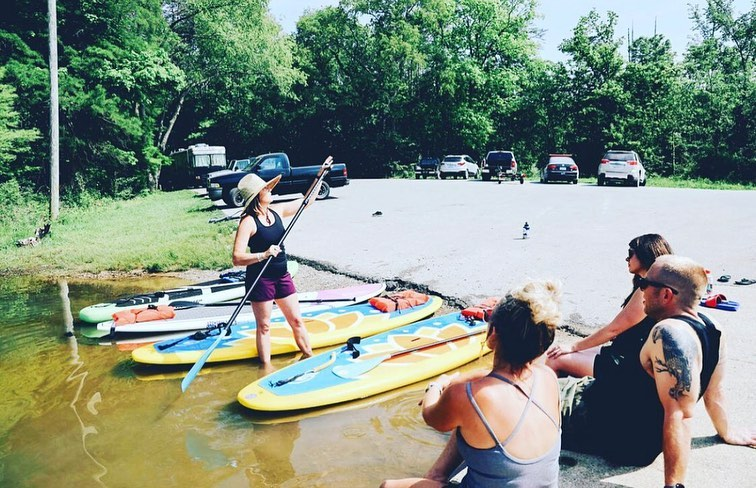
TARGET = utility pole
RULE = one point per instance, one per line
(52, 27)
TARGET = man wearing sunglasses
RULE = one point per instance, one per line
(685, 356)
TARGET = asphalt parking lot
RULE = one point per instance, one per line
(463, 240)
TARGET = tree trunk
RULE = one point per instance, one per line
(172, 122)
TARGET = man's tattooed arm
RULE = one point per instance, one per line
(679, 351)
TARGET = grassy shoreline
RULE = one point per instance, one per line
(160, 232)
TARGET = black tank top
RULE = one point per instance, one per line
(625, 413)
(263, 238)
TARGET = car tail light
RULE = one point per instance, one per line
(461, 164)
(632, 163)
(552, 166)
(573, 168)
(345, 171)
(514, 164)
(604, 161)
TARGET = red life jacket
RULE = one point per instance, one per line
(399, 301)
(135, 315)
(479, 311)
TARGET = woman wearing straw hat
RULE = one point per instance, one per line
(261, 228)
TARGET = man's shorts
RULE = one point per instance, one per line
(268, 289)
(577, 434)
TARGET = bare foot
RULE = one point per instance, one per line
(267, 368)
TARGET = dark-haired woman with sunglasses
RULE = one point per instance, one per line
(627, 331)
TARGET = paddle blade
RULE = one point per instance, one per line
(355, 370)
(198, 365)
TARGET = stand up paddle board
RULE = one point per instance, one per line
(228, 287)
(199, 317)
(384, 362)
(325, 328)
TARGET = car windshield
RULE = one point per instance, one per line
(561, 160)
(619, 156)
(452, 159)
(428, 161)
(499, 156)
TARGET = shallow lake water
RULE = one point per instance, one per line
(79, 412)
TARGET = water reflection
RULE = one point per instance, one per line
(126, 417)
(77, 377)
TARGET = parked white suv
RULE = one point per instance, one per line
(623, 167)
(458, 165)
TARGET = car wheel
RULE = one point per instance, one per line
(601, 180)
(325, 190)
(545, 180)
(486, 176)
(417, 177)
(233, 198)
(443, 176)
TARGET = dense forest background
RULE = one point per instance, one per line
(374, 82)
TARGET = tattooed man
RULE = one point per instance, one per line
(646, 407)
(685, 356)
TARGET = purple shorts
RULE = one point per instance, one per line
(268, 289)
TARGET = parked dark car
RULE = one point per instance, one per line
(499, 164)
(561, 167)
(428, 166)
(268, 166)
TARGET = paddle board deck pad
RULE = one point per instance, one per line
(325, 328)
(229, 287)
(200, 317)
(313, 383)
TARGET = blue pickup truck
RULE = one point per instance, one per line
(268, 166)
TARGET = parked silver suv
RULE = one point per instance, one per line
(622, 167)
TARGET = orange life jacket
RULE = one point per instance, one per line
(135, 315)
(399, 301)
(479, 311)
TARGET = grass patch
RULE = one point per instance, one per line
(697, 183)
(155, 233)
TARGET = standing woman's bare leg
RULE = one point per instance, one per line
(262, 311)
(290, 308)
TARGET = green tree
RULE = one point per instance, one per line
(651, 80)
(598, 99)
(720, 140)
(14, 140)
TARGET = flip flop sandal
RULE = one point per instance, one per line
(745, 281)
(724, 278)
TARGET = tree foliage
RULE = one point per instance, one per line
(375, 82)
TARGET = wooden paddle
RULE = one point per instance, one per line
(356, 369)
(227, 326)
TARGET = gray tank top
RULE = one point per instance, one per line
(495, 467)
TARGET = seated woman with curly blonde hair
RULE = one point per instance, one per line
(505, 421)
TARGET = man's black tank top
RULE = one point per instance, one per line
(263, 238)
(626, 415)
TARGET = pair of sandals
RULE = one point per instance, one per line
(742, 281)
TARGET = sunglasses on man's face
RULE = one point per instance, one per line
(630, 253)
(644, 283)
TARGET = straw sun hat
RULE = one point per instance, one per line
(251, 185)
